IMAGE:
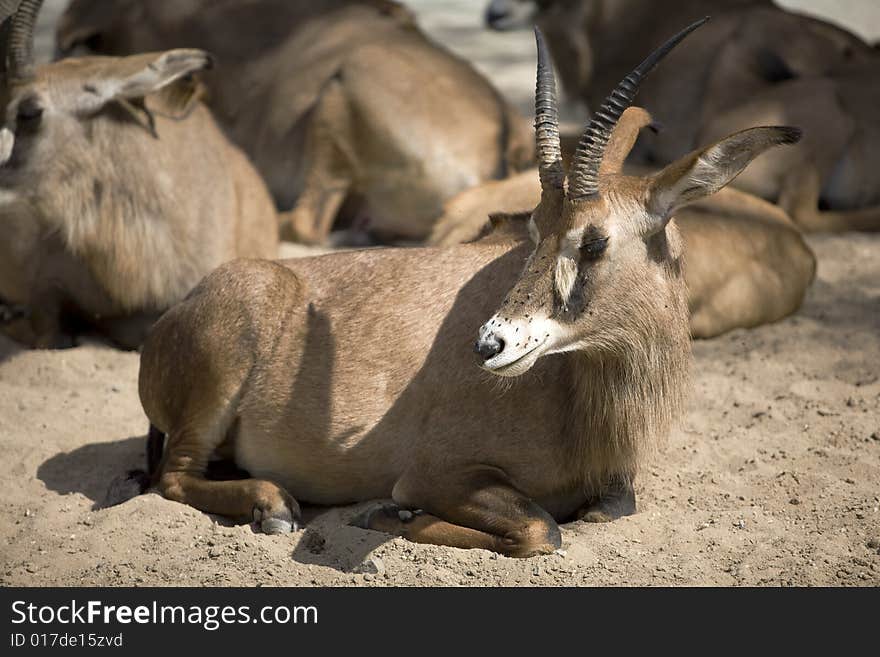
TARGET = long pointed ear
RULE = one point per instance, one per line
(704, 172)
(131, 78)
(623, 138)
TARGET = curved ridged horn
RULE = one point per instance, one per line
(547, 143)
(583, 177)
(20, 55)
(7, 10)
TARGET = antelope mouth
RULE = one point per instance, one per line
(502, 365)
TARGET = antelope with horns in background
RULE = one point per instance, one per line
(349, 377)
(345, 107)
(757, 63)
(118, 192)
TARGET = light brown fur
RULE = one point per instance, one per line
(117, 218)
(349, 376)
(346, 108)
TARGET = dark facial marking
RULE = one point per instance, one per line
(29, 112)
(593, 250)
(593, 244)
(592, 247)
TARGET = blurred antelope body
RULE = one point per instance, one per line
(755, 63)
(119, 189)
(831, 181)
(334, 101)
(348, 377)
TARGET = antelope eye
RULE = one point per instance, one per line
(29, 110)
(594, 248)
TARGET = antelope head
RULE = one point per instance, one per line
(605, 273)
(46, 110)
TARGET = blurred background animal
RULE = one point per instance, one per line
(118, 192)
(755, 62)
(345, 107)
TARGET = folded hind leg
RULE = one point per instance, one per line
(866, 220)
(182, 479)
(800, 198)
(476, 508)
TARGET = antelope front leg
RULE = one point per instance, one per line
(328, 178)
(799, 197)
(477, 509)
(256, 500)
(616, 501)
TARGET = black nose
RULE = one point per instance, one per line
(489, 347)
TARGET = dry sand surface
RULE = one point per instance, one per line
(773, 477)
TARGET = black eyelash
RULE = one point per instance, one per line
(594, 248)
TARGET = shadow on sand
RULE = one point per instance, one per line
(9, 348)
(92, 468)
(98, 471)
(329, 541)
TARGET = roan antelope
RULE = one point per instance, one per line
(118, 192)
(347, 109)
(348, 377)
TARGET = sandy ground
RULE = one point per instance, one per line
(772, 478)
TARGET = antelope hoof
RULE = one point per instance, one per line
(610, 507)
(278, 522)
(12, 312)
(383, 516)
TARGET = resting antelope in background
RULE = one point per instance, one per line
(747, 263)
(118, 192)
(350, 377)
(345, 107)
(757, 63)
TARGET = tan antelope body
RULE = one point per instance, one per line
(756, 63)
(350, 376)
(118, 193)
(831, 180)
(746, 263)
(346, 108)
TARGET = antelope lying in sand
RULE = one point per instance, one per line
(756, 63)
(747, 264)
(118, 192)
(345, 107)
(349, 377)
